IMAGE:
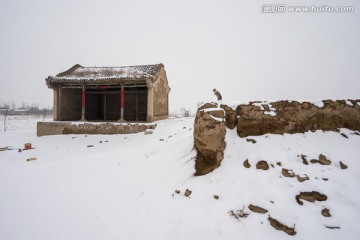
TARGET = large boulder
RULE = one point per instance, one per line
(209, 138)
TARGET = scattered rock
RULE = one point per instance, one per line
(330, 227)
(262, 165)
(31, 159)
(278, 163)
(177, 191)
(257, 209)
(246, 163)
(323, 160)
(216, 197)
(19, 150)
(314, 161)
(100, 141)
(326, 212)
(302, 178)
(251, 140)
(344, 135)
(272, 165)
(287, 173)
(148, 131)
(357, 133)
(325, 179)
(310, 197)
(187, 193)
(343, 166)
(161, 139)
(303, 157)
(279, 226)
(90, 146)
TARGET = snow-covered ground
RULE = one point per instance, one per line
(123, 186)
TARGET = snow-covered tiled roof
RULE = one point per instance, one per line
(79, 73)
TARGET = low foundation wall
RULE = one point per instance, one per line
(57, 128)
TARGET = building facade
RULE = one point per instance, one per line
(131, 93)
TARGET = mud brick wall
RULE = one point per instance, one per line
(282, 117)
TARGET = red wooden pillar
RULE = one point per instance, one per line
(122, 104)
(83, 103)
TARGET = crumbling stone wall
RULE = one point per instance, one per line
(57, 128)
(209, 138)
(258, 118)
(294, 117)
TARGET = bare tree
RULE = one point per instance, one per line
(5, 115)
(44, 114)
(13, 105)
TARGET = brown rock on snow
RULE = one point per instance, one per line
(209, 138)
(287, 173)
(257, 209)
(326, 212)
(246, 163)
(303, 157)
(323, 160)
(279, 226)
(187, 193)
(302, 178)
(251, 140)
(343, 166)
(310, 197)
(262, 165)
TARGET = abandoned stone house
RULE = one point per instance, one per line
(131, 93)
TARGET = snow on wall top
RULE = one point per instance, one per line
(79, 73)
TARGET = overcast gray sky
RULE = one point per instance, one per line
(206, 44)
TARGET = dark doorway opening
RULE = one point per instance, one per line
(135, 104)
(102, 105)
(105, 104)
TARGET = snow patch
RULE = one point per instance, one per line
(319, 104)
(349, 103)
(217, 118)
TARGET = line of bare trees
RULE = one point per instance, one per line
(9, 108)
